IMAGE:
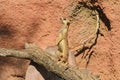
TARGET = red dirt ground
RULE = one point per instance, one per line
(38, 21)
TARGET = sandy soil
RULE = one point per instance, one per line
(38, 21)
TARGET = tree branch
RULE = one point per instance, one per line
(49, 62)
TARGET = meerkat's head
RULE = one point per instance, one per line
(65, 21)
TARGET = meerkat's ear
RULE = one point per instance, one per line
(63, 19)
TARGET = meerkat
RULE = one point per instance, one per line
(61, 50)
(62, 41)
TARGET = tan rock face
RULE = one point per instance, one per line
(38, 21)
(33, 74)
(12, 68)
(23, 21)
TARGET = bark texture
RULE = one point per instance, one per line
(51, 63)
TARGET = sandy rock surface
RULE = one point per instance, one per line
(38, 21)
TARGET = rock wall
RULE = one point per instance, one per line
(38, 21)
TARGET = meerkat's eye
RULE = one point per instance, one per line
(64, 18)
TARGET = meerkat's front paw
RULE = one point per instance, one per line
(62, 60)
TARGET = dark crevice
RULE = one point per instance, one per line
(40, 68)
(97, 8)
(85, 48)
(45, 73)
(103, 17)
(95, 42)
(81, 51)
(97, 34)
(89, 53)
(18, 76)
(89, 57)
